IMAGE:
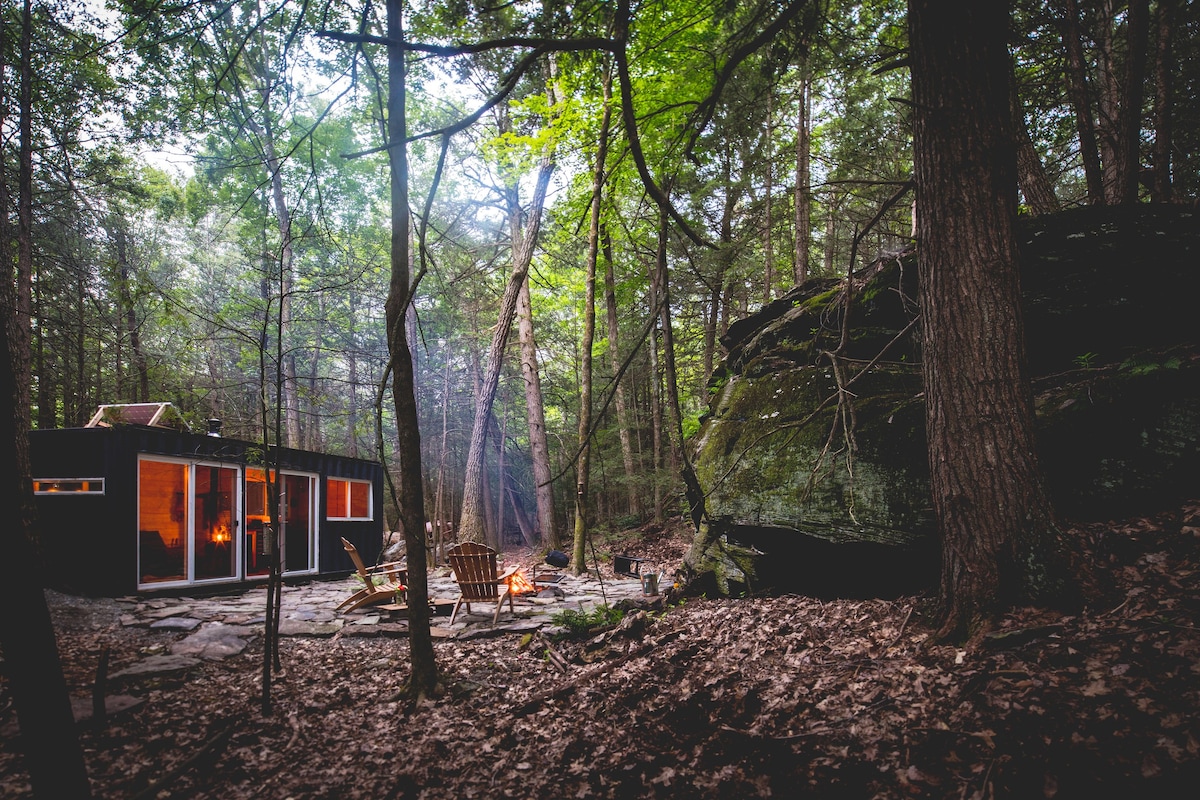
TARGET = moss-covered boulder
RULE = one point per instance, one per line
(816, 480)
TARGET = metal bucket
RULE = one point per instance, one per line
(650, 583)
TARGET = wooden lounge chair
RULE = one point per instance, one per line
(393, 573)
(474, 568)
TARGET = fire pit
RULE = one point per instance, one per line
(518, 584)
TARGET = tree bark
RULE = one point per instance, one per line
(1164, 99)
(614, 355)
(1077, 90)
(768, 190)
(692, 491)
(283, 217)
(1128, 154)
(656, 402)
(539, 448)
(142, 392)
(23, 333)
(424, 678)
(1001, 544)
(471, 523)
(1031, 173)
(803, 190)
(53, 756)
(583, 466)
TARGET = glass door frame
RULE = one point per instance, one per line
(237, 521)
(314, 522)
(313, 479)
(189, 510)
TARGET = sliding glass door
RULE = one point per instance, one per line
(189, 521)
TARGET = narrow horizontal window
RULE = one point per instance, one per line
(68, 486)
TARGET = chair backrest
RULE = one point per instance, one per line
(357, 559)
(475, 571)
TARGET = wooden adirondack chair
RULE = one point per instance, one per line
(475, 572)
(394, 575)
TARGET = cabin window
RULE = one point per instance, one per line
(188, 521)
(68, 486)
(297, 520)
(163, 545)
(348, 499)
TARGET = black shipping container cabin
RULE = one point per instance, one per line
(131, 508)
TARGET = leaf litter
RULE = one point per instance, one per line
(759, 697)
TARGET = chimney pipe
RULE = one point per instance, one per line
(214, 428)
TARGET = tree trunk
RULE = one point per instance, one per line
(352, 377)
(23, 333)
(283, 217)
(471, 527)
(614, 354)
(423, 680)
(142, 393)
(1077, 90)
(539, 448)
(1164, 100)
(693, 493)
(768, 189)
(803, 190)
(497, 541)
(589, 334)
(1031, 173)
(656, 402)
(52, 754)
(1128, 153)
(1000, 541)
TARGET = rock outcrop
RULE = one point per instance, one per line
(814, 468)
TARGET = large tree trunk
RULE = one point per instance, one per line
(53, 757)
(1000, 541)
(1031, 173)
(692, 491)
(614, 355)
(768, 189)
(23, 333)
(1164, 100)
(142, 393)
(424, 678)
(1121, 94)
(803, 190)
(352, 378)
(582, 468)
(1077, 90)
(471, 523)
(1129, 164)
(656, 401)
(539, 448)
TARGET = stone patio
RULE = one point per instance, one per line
(218, 627)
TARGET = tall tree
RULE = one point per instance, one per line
(583, 467)
(423, 679)
(1001, 544)
(53, 755)
(471, 521)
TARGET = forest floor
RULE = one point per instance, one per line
(761, 697)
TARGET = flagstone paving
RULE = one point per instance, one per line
(219, 627)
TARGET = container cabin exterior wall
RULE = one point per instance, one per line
(90, 541)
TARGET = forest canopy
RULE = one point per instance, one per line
(208, 218)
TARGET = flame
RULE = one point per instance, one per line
(519, 584)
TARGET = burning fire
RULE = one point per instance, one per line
(519, 584)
